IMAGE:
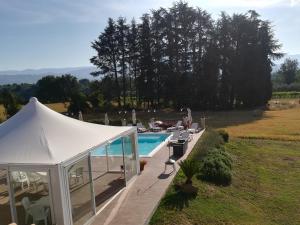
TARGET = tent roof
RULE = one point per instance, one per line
(39, 135)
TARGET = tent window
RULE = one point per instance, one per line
(80, 191)
(108, 172)
(32, 200)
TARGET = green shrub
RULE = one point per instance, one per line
(216, 167)
(189, 168)
(224, 134)
(209, 140)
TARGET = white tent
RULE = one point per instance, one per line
(38, 140)
(38, 135)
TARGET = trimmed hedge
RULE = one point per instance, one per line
(216, 167)
(215, 163)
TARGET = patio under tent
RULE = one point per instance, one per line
(59, 170)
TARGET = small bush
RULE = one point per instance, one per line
(210, 140)
(216, 167)
(224, 134)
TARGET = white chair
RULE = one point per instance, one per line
(26, 204)
(154, 128)
(141, 128)
(194, 128)
(20, 177)
(34, 179)
(39, 213)
(77, 175)
(178, 126)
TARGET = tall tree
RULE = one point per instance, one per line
(288, 70)
(107, 57)
(122, 36)
(133, 55)
(146, 78)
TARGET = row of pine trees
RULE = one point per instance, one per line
(182, 57)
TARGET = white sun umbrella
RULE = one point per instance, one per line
(106, 120)
(190, 119)
(133, 117)
(80, 117)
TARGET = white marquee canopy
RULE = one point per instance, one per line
(39, 135)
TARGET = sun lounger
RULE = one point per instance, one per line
(154, 128)
(175, 136)
(194, 128)
(178, 126)
(140, 128)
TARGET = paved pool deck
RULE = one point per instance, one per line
(136, 203)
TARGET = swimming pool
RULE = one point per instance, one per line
(148, 144)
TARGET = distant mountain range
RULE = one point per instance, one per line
(31, 76)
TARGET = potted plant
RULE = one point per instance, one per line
(142, 164)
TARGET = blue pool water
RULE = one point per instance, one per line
(146, 144)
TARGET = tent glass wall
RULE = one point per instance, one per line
(108, 171)
(80, 189)
(31, 196)
(129, 156)
(5, 210)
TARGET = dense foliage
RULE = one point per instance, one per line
(287, 78)
(176, 53)
(10, 103)
(224, 134)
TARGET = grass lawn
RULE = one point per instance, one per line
(265, 189)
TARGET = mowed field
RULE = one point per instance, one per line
(282, 123)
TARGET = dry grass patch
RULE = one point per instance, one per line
(275, 125)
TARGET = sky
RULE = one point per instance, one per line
(58, 33)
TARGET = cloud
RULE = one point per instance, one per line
(247, 3)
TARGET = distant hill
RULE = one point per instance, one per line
(32, 76)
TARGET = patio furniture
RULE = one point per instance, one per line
(34, 180)
(185, 136)
(39, 213)
(18, 178)
(194, 128)
(77, 175)
(26, 204)
(178, 126)
(170, 162)
(154, 128)
(141, 128)
(180, 148)
(175, 136)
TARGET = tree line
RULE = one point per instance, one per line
(180, 57)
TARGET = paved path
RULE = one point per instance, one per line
(136, 203)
